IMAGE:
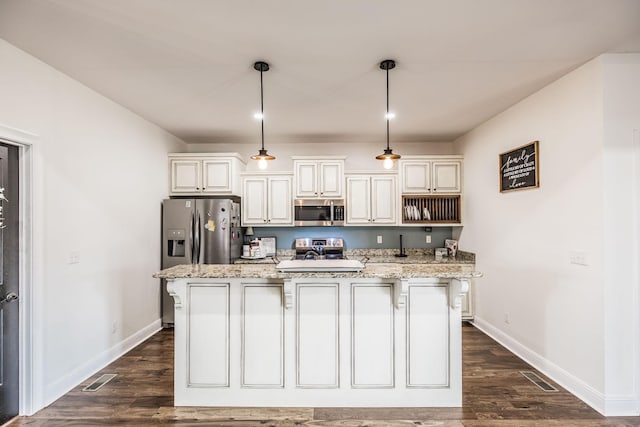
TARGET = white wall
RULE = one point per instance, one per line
(622, 182)
(360, 156)
(99, 180)
(569, 320)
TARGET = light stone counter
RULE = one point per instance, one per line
(384, 270)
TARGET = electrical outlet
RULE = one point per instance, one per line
(74, 257)
(428, 238)
(506, 318)
(578, 258)
(379, 239)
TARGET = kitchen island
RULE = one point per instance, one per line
(249, 335)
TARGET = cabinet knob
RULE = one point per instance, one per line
(373, 220)
(264, 220)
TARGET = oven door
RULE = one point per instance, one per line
(313, 212)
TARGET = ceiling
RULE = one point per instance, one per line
(188, 65)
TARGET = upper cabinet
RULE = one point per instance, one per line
(318, 177)
(371, 199)
(205, 174)
(266, 200)
(430, 174)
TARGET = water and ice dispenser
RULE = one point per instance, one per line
(176, 242)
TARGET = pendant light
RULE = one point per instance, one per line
(262, 155)
(388, 157)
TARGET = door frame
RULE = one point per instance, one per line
(635, 326)
(30, 262)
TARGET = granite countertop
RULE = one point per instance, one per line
(371, 256)
(385, 270)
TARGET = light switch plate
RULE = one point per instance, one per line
(578, 258)
(74, 257)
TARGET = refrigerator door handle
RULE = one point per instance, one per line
(191, 237)
(196, 257)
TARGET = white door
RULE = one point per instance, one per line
(216, 176)
(416, 177)
(306, 179)
(280, 204)
(446, 177)
(330, 182)
(185, 176)
(383, 199)
(254, 201)
(358, 200)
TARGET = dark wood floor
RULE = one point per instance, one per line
(495, 395)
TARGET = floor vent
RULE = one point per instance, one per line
(534, 378)
(97, 384)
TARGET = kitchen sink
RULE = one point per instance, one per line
(319, 265)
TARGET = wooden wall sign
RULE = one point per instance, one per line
(519, 168)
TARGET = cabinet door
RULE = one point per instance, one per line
(330, 180)
(446, 177)
(306, 179)
(185, 176)
(280, 203)
(216, 176)
(254, 201)
(466, 306)
(358, 200)
(383, 200)
(416, 177)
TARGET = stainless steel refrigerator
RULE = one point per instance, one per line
(198, 231)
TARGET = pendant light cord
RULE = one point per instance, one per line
(387, 108)
(262, 109)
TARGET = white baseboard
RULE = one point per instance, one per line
(576, 386)
(63, 385)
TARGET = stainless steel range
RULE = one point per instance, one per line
(320, 248)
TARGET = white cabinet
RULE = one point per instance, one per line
(205, 174)
(338, 342)
(318, 178)
(430, 174)
(266, 200)
(371, 200)
(467, 309)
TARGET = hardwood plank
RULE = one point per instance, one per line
(495, 394)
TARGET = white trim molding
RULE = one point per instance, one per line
(606, 405)
(635, 324)
(30, 337)
(89, 368)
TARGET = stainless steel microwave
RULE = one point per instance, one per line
(319, 212)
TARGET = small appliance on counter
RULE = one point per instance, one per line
(198, 231)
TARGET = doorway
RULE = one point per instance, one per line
(9, 282)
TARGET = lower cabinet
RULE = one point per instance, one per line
(340, 342)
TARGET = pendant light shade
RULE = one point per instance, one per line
(262, 157)
(387, 156)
